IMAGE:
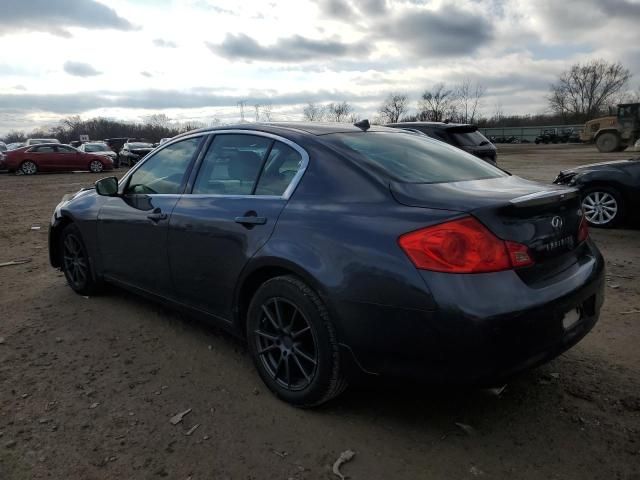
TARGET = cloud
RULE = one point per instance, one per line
(291, 49)
(80, 69)
(56, 16)
(146, 74)
(448, 32)
(74, 103)
(160, 42)
(350, 10)
(340, 9)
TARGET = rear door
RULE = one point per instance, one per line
(242, 184)
(133, 226)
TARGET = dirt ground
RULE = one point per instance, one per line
(88, 385)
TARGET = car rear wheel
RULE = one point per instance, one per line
(76, 264)
(293, 343)
(602, 207)
(28, 168)
(608, 142)
(96, 166)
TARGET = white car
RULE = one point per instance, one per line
(99, 148)
(37, 141)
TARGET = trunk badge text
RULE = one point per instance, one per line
(557, 222)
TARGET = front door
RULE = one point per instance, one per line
(133, 226)
(69, 158)
(237, 196)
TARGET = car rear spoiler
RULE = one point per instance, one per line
(545, 197)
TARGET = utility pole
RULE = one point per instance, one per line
(241, 104)
(257, 107)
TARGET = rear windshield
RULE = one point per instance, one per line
(470, 139)
(413, 158)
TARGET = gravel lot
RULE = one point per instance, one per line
(88, 385)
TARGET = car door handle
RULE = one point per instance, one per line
(156, 217)
(251, 220)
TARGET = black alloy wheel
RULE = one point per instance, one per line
(286, 345)
(76, 264)
(293, 343)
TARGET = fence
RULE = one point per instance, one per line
(525, 134)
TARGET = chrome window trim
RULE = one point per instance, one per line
(286, 194)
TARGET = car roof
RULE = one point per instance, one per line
(312, 128)
(430, 124)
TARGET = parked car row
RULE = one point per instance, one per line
(344, 250)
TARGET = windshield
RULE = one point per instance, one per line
(139, 145)
(413, 158)
(96, 147)
(470, 139)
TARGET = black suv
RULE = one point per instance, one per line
(464, 136)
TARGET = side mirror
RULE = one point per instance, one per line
(107, 186)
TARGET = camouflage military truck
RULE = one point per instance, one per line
(614, 133)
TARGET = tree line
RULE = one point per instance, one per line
(584, 91)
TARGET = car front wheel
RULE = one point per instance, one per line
(96, 166)
(602, 207)
(76, 264)
(293, 343)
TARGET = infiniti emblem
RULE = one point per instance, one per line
(557, 222)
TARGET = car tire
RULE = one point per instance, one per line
(603, 207)
(293, 343)
(76, 264)
(28, 167)
(608, 142)
(95, 166)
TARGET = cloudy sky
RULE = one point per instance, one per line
(196, 59)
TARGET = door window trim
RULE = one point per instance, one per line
(285, 195)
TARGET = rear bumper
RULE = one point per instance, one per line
(486, 328)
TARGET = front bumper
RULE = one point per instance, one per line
(486, 327)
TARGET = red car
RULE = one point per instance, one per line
(54, 157)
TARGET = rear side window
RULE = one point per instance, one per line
(163, 172)
(47, 149)
(282, 165)
(232, 164)
(412, 158)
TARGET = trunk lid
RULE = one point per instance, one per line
(546, 218)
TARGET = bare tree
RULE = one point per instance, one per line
(338, 112)
(586, 90)
(498, 113)
(394, 106)
(437, 104)
(469, 95)
(313, 112)
(159, 120)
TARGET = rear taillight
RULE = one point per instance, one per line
(583, 230)
(462, 246)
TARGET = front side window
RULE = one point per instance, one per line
(412, 158)
(163, 172)
(63, 149)
(232, 164)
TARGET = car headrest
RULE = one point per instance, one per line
(244, 166)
